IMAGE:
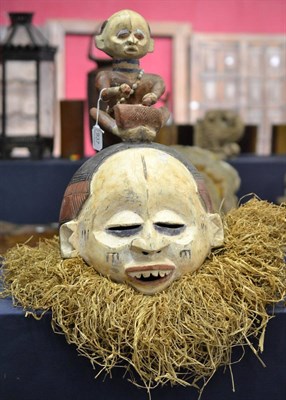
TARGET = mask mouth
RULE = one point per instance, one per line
(131, 49)
(153, 274)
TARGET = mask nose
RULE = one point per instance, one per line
(149, 242)
(145, 247)
(132, 39)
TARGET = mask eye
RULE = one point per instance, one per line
(139, 34)
(123, 34)
(124, 230)
(168, 228)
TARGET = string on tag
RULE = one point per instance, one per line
(97, 132)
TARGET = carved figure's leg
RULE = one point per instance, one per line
(106, 122)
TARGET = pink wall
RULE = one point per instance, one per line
(253, 16)
(225, 16)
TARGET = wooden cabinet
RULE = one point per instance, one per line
(246, 73)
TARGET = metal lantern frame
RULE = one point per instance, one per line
(37, 50)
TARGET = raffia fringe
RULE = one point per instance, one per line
(181, 335)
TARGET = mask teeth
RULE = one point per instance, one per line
(147, 274)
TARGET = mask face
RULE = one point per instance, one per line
(144, 223)
(126, 35)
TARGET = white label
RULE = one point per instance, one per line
(97, 142)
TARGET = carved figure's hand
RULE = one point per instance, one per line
(149, 99)
(125, 89)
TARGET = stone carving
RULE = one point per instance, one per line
(222, 180)
(219, 132)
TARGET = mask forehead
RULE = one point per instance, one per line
(116, 24)
(125, 20)
(147, 181)
(78, 190)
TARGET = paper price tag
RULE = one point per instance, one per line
(96, 134)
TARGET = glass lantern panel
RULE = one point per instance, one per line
(47, 99)
(21, 98)
(21, 36)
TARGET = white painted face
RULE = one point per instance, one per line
(126, 35)
(143, 223)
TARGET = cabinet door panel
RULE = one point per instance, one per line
(246, 73)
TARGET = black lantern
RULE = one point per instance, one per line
(28, 89)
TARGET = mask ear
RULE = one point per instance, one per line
(67, 246)
(151, 46)
(99, 42)
(216, 234)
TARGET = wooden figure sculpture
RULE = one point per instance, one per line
(127, 90)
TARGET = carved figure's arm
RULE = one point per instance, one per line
(103, 81)
(158, 88)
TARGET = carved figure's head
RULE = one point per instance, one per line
(140, 215)
(125, 35)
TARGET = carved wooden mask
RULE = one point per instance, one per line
(144, 222)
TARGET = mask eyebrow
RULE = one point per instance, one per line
(123, 33)
(139, 34)
(124, 218)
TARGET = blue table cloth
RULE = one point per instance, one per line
(37, 364)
